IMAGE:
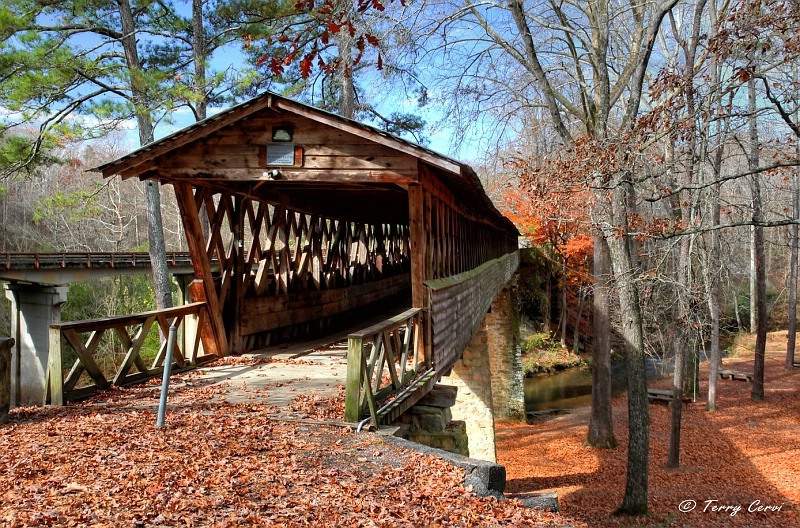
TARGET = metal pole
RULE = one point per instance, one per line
(162, 405)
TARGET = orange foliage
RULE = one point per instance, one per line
(551, 207)
(546, 220)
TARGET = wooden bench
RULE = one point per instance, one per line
(735, 375)
(665, 395)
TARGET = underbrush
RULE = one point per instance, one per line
(541, 354)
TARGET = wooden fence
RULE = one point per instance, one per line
(379, 366)
(83, 338)
(381, 361)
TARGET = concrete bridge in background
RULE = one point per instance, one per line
(37, 286)
(59, 268)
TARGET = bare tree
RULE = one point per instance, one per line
(560, 57)
(795, 249)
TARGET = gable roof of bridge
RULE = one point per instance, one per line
(162, 160)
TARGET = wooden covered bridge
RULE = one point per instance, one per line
(310, 218)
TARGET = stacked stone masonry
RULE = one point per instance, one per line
(474, 405)
(505, 356)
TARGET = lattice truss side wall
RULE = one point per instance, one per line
(466, 261)
(456, 238)
(284, 273)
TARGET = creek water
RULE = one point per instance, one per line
(572, 387)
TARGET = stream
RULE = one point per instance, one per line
(572, 387)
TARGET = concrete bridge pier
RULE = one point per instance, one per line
(489, 376)
(34, 307)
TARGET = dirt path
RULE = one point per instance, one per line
(744, 456)
(279, 378)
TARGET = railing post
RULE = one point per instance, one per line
(352, 398)
(5, 377)
(54, 392)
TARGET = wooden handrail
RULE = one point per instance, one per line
(114, 321)
(84, 337)
(73, 260)
(381, 360)
(459, 303)
(389, 325)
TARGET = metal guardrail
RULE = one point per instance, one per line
(84, 337)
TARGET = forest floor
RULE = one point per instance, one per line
(740, 465)
(227, 457)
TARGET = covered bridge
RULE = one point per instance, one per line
(309, 217)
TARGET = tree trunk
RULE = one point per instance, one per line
(548, 297)
(563, 302)
(201, 104)
(679, 342)
(578, 317)
(714, 269)
(636, 485)
(601, 424)
(752, 162)
(347, 91)
(683, 275)
(673, 457)
(757, 392)
(157, 246)
(753, 278)
(200, 58)
(679, 347)
(155, 231)
(792, 326)
(713, 302)
(737, 312)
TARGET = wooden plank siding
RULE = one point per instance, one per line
(261, 314)
(459, 303)
(237, 152)
(456, 238)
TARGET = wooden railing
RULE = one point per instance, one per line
(459, 303)
(381, 361)
(75, 260)
(83, 338)
(6, 343)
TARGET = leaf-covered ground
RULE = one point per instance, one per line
(103, 463)
(746, 455)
